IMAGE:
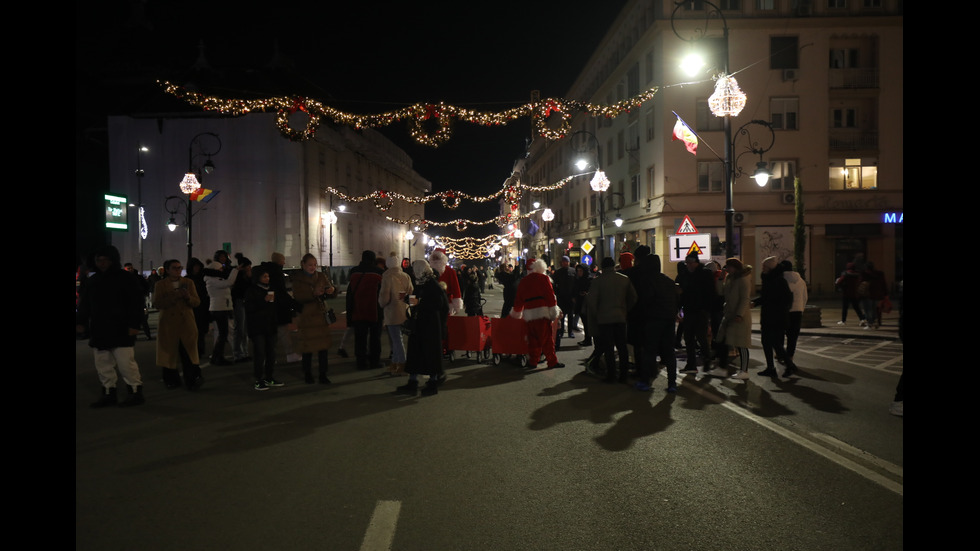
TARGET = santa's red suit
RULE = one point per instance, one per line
(438, 260)
(536, 303)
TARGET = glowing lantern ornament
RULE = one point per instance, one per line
(548, 215)
(599, 181)
(189, 184)
(728, 98)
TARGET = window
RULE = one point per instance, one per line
(783, 113)
(844, 58)
(765, 4)
(845, 117)
(711, 176)
(620, 144)
(730, 4)
(853, 174)
(836, 3)
(633, 80)
(784, 52)
(706, 120)
(783, 173)
(872, 3)
(651, 129)
(634, 196)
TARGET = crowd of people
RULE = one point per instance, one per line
(634, 315)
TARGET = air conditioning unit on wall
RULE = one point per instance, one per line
(790, 74)
(789, 198)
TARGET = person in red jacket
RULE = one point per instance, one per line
(536, 303)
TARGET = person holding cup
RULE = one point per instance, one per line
(176, 297)
(260, 316)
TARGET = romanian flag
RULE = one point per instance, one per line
(683, 132)
(202, 194)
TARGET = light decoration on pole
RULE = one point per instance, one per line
(189, 184)
(599, 181)
(330, 217)
(728, 98)
(144, 230)
(548, 215)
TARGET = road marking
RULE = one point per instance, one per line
(867, 350)
(879, 479)
(381, 529)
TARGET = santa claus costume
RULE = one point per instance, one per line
(438, 260)
(536, 303)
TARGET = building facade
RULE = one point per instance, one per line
(826, 75)
(269, 193)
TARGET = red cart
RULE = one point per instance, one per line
(510, 338)
(469, 333)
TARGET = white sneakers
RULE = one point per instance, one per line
(743, 375)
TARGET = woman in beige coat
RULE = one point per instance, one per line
(310, 289)
(736, 325)
(176, 297)
(395, 286)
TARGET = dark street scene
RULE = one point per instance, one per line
(621, 275)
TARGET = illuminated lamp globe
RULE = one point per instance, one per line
(189, 184)
(761, 174)
(728, 98)
(599, 181)
(548, 215)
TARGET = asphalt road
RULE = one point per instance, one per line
(501, 458)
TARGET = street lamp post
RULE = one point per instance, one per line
(191, 183)
(599, 182)
(715, 11)
(331, 220)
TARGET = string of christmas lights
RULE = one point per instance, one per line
(421, 115)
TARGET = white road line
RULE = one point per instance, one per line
(867, 350)
(883, 481)
(381, 529)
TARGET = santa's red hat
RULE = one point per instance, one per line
(529, 262)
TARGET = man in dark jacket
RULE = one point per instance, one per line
(657, 305)
(564, 282)
(775, 300)
(697, 297)
(363, 310)
(111, 309)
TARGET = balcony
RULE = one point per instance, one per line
(853, 78)
(853, 140)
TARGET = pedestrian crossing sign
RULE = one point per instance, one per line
(687, 227)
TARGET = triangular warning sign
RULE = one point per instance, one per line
(687, 227)
(695, 249)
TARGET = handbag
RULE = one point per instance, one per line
(408, 326)
(330, 316)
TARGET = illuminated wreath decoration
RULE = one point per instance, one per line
(429, 112)
(512, 195)
(312, 123)
(450, 200)
(382, 201)
(545, 111)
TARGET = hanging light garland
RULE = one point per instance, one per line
(543, 113)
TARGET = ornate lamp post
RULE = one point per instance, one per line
(191, 183)
(599, 182)
(143, 230)
(724, 102)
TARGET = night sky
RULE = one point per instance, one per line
(361, 58)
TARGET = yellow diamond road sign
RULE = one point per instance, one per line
(587, 247)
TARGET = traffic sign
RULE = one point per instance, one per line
(587, 260)
(682, 245)
(587, 246)
(687, 227)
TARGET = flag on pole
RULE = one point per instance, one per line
(202, 194)
(683, 132)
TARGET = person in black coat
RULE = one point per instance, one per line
(111, 308)
(261, 321)
(430, 312)
(775, 299)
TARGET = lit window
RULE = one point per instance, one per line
(853, 174)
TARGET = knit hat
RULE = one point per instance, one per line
(626, 260)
